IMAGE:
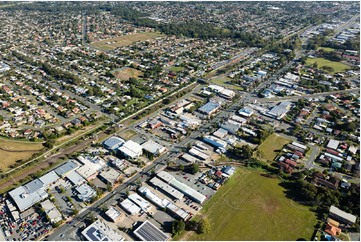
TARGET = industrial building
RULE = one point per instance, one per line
(109, 176)
(113, 143)
(185, 189)
(51, 211)
(112, 213)
(24, 197)
(209, 108)
(172, 192)
(231, 126)
(279, 111)
(215, 141)
(85, 192)
(246, 112)
(100, 231)
(130, 207)
(66, 168)
(131, 149)
(189, 158)
(333, 144)
(141, 202)
(154, 148)
(75, 178)
(149, 232)
(198, 153)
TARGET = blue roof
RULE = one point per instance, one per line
(113, 143)
(209, 107)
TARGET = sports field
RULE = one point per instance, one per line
(125, 73)
(337, 66)
(271, 146)
(11, 151)
(253, 207)
(111, 44)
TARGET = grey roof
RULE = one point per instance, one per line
(25, 200)
(347, 216)
(229, 170)
(33, 186)
(209, 107)
(49, 178)
(149, 232)
(100, 231)
(75, 178)
(113, 143)
(66, 167)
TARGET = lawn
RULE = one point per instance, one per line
(176, 68)
(111, 44)
(128, 134)
(253, 207)
(11, 151)
(326, 49)
(225, 82)
(125, 73)
(337, 66)
(271, 146)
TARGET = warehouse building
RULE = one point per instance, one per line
(113, 214)
(185, 189)
(154, 148)
(169, 190)
(149, 232)
(109, 176)
(66, 168)
(131, 149)
(85, 192)
(100, 231)
(209, 108)
(189, 158)
(215, 141)
(198, 153)
(141, 202)
(51, 211)
(24, 197)
(75, 178)
(130, 207)
(279, 111)
(113, 143)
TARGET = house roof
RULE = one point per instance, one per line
(332, 230)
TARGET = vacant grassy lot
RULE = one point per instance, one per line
(111, 44)
(125, 73)
(225, 82)
(326, 49)
(11, 151)
(253, 207)
(270, 147)
(176, 68)
(128, 134)
(337, 66)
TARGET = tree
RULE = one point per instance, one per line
(178, 226)
(204, 226)
(195, 168)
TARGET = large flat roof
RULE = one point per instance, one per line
(75, 178)
(167, 188)
(49, 178)
(343, 214)
(149, 232)
(25, 200)
(100, 231)
(130, 207)
(66, 167)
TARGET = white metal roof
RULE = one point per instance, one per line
(130, 207)
(343, 214)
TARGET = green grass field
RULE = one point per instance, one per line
(128, 134)
(253, 207)
(176, 68)
(326, 49)
(111, 44)
(337, 66)
(269, 148)
(224, 81)
(12, 151)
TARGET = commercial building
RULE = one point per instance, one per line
(185, 189)
(154, 148)
(149, 232)
(279, 111)
(169, 190)
(24, 197)
(333, 144)
(88, 171)
(341, 216)
(189, 158)
(198, 153)
(131, 149)
(75, 178)
(51, 211)
(229, 170)
(109, 176)
(113, 143)
(85, 192)
(220, 133)
(215, 141)
(141, 202)
(100, 231)
(130, 207)
(209, 108)
(49, 178)
(226, 93)
(231, 126)
(112, 213)
(66, 168)
(246, 112)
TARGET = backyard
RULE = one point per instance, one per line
(271, 146)
(111, 44)
(253, 207)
